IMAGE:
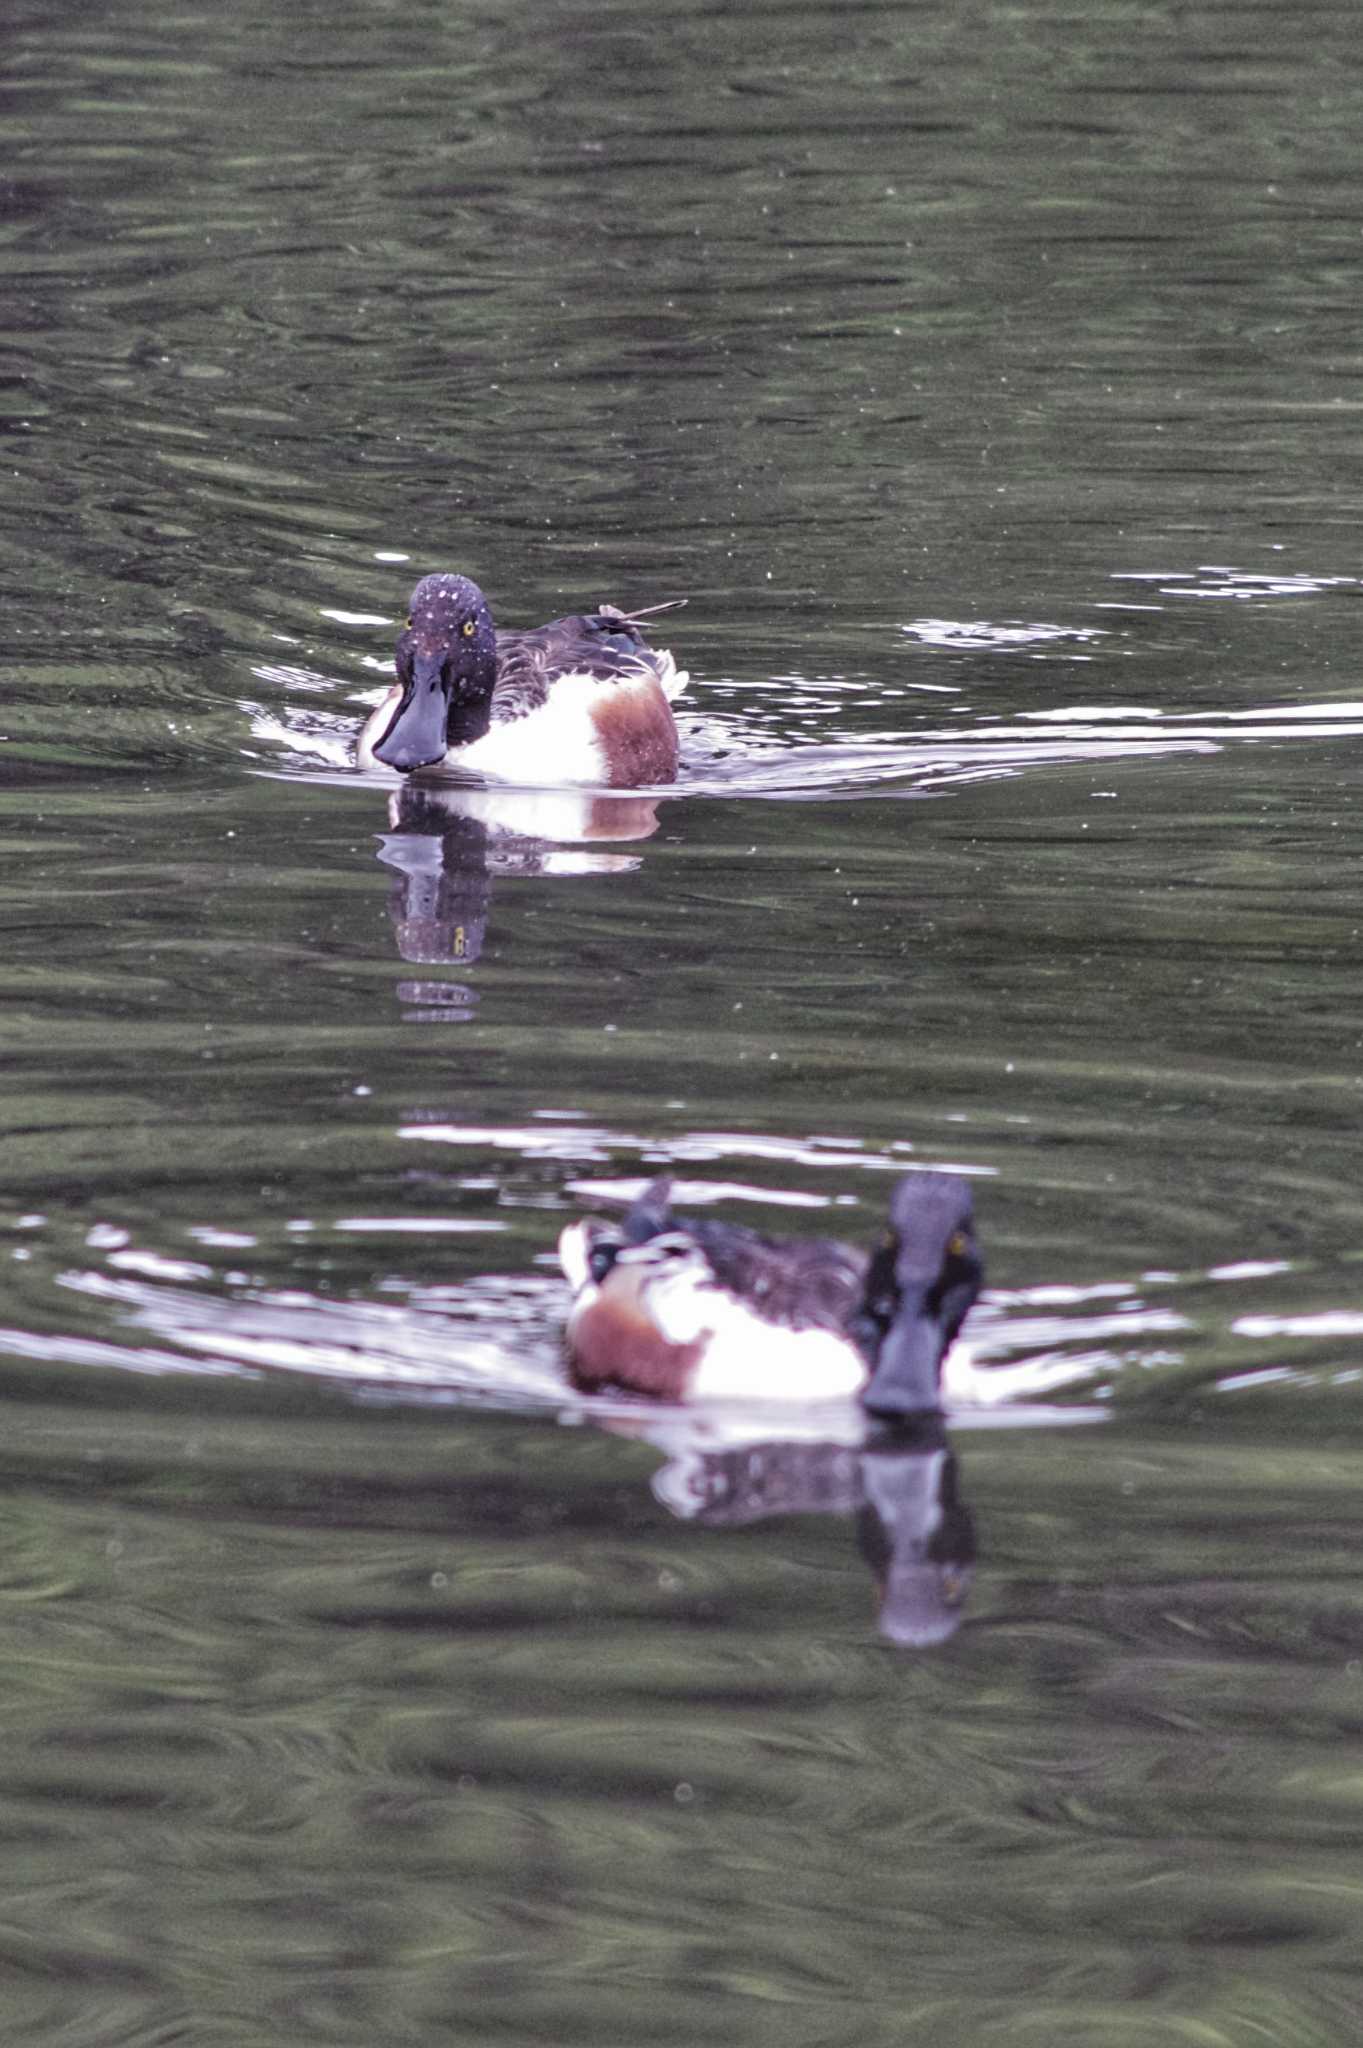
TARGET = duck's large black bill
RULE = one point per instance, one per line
(905, 1381)
(417, 736)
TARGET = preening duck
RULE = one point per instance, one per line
(583, 699)
(689, 1308)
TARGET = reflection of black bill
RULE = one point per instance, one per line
(919, 1540)
(439, 904)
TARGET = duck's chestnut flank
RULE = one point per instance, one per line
(584, 699)
(636, 731)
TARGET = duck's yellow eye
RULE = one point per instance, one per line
(958, 1245)
(469, 629)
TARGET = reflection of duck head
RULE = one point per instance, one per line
(917, 1536)
(914, 1530)
(439, 904)
(447, 842)
(583, 699)
(693, 1309)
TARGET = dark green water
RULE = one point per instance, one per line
(988, 381)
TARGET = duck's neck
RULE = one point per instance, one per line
(468, 721)
(470, 707)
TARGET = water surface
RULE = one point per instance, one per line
(985, 382)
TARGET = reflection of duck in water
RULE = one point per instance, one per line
(583, 699)
(446, 843)
(913, 1527)
(692, 1309)
(917, 1535)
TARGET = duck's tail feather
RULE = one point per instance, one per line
(642, 611)
(652, 1214)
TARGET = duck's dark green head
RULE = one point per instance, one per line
(919, 1286)
(446, 665)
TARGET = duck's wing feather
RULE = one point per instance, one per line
(815, 1285)
(606, 643)
(812, 1284)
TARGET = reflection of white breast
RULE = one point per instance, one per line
(532, 831)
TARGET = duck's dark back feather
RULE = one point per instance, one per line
(605, 643)
(811, 1284)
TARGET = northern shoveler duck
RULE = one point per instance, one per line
(686, 1308)
(583, 699)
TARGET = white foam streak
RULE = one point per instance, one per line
(596, 1142)
(1337, 1322)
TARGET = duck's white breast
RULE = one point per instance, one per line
(760, 1361)
(556, 742)
(560, 741)
(745, 1357)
